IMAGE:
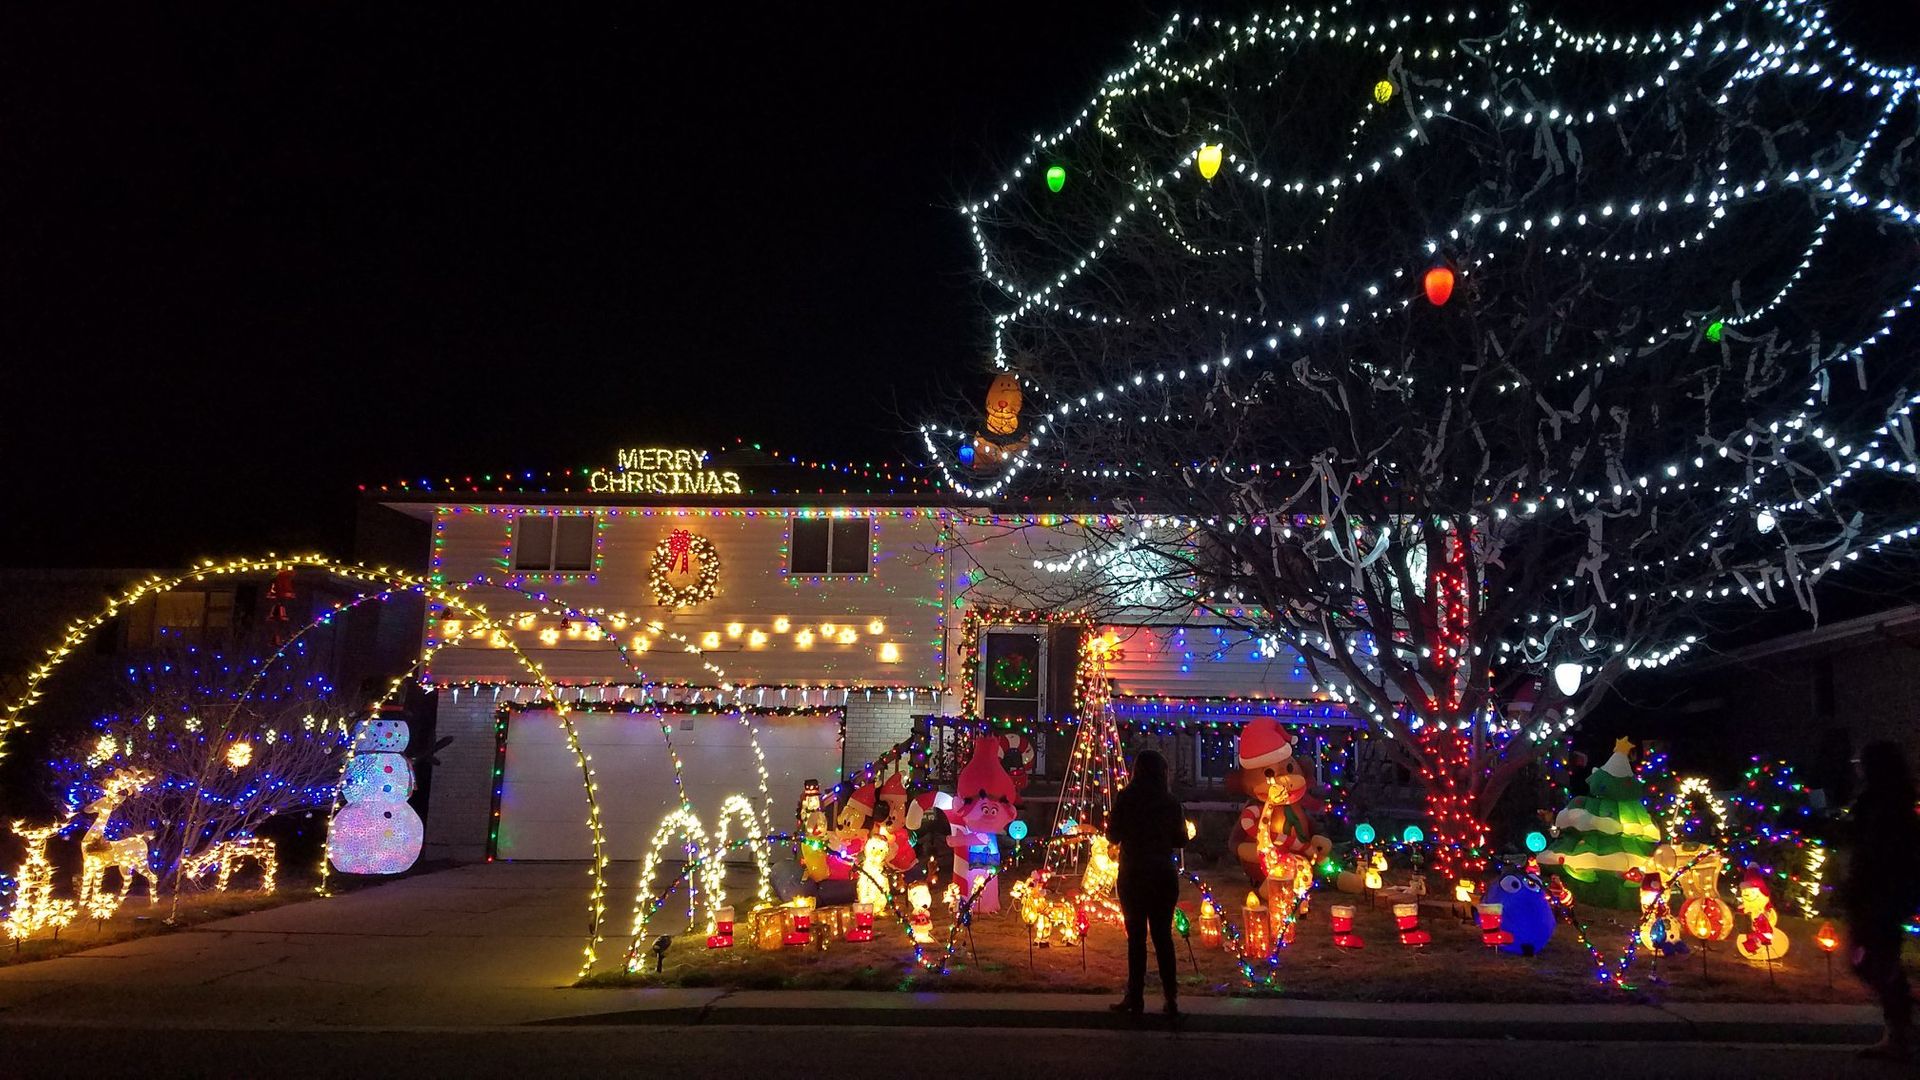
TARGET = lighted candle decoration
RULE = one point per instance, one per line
(1257, 938)
(1209, 923)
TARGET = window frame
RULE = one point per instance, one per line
(980, 677)
(550, 565)
(833, 523)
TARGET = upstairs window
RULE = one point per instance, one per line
(553, 544)
(830, 546)
(180, 617)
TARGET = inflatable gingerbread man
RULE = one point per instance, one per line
(1276, 836)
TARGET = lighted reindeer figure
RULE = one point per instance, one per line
(33, 903)
(227, 854)
(127, 854)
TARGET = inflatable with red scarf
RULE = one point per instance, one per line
(1278, 823)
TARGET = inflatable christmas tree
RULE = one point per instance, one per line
(1602, 835)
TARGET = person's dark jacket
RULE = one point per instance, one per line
(1149, 826)
(1882, 883)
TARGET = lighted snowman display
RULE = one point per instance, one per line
(376, 832)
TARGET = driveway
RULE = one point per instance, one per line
(476, 945)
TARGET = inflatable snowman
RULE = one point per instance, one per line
(376, 832)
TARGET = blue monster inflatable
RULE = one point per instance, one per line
(1524, 912)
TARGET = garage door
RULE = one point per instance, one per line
(543, 814)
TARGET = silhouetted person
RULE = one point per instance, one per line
(1149, 825)
(1882, 887)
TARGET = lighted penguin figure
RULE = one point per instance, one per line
(1524, 912)
(377, 832)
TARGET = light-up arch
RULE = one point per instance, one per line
(79, 630)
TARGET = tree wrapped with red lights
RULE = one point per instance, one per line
(1455, 351)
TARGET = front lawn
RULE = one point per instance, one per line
(137, 919)
(1455, 967)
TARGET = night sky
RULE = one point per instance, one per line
(253, 258)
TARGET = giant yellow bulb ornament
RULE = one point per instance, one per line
(1383, 91)
(1209, 160)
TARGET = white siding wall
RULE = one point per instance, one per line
(911, 591)
(902, 593)
(1202, 662)
(994, 566)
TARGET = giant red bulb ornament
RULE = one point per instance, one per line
(1439, 285)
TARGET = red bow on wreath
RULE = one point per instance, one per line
(679, 552)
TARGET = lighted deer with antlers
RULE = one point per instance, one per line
(128, 854)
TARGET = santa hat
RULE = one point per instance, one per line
(1752, 880)
(1264, 743)
(862, 799)
(983, 772)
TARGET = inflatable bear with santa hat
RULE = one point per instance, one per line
(1277, 825)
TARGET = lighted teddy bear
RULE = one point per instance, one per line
(1276, 835)
(981, 808)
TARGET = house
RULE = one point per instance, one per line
(1811, 696)
(675, 591)
(236, 616)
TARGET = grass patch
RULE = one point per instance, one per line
(1454, 968)
(139, 919)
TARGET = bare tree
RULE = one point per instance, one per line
(1491, 350)
(228, 748)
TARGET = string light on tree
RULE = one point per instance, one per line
(1152, 374)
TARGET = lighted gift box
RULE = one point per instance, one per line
(768, 926)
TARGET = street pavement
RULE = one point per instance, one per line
(776, 1053)
(465, 972)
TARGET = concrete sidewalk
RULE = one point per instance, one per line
(495, 946)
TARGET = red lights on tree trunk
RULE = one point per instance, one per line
(1439, 285)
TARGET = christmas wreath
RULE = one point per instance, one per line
(1012, 674)
(679, 553)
